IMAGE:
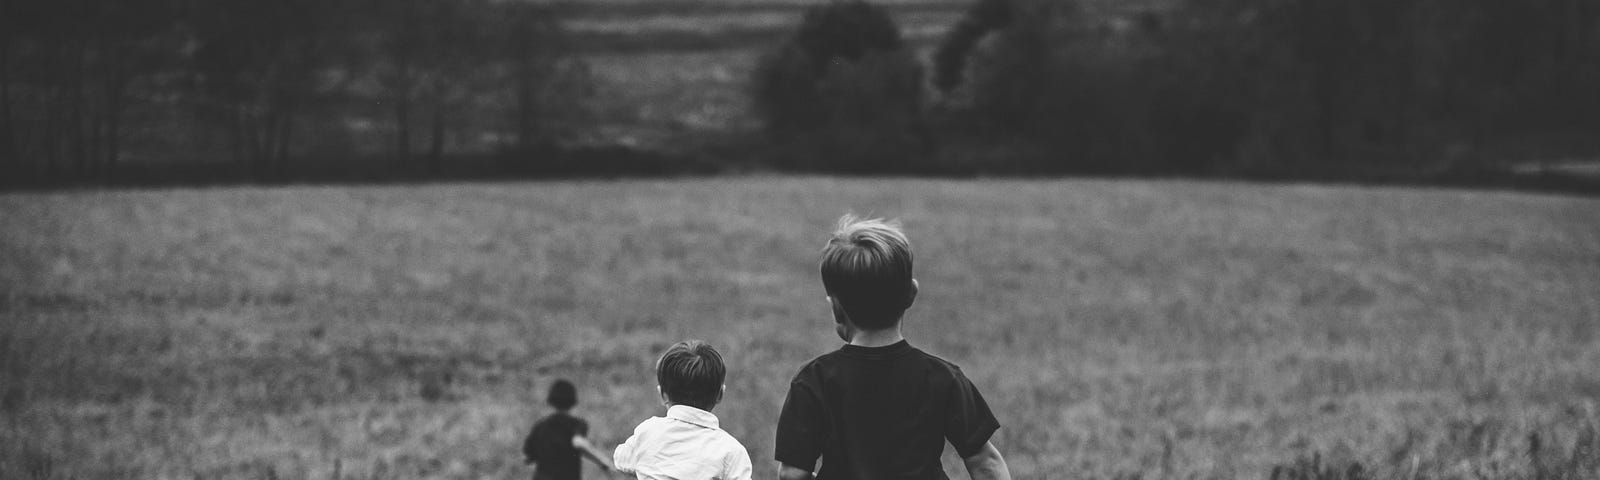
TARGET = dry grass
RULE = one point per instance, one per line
(1162, 329)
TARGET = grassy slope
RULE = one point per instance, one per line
(1167, 328)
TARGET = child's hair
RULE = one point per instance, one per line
(866, 267)
(691, 373)
(563, 395)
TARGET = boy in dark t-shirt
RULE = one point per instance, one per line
(878, 408)
(557, 440)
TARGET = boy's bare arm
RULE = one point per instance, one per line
(594, 454)
(987, 464)
(786, 472)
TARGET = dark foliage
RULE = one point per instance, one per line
(1347, 89)
(950, 60)
(88, 86)
(1042, 82)
(843, 94)
(1268, 85)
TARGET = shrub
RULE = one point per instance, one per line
(844, 93)
(1045, 74)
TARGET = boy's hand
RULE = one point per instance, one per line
(793, 473)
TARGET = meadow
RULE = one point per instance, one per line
(1155, 329)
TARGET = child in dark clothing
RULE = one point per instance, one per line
(557, 440)
(879, 408)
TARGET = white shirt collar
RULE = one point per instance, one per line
(692, 415)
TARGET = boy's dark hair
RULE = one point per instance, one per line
(563, 395)
(691, 373)
(866, 268)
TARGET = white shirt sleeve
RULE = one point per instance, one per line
(625, 458)
(738, 464)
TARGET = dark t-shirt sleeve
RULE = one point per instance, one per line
(971, 422)
(580, 427)
(802, 427)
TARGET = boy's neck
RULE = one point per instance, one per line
(877, 338)
(707, 410)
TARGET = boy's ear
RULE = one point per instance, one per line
(839, 315)
(664, 401)
(841, 320)
(911, 294)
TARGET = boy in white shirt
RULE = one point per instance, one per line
(687, 444)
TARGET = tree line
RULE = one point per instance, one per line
(88, 85)
(1014, 86)
(1202, 86)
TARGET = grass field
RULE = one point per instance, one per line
(1155, 328)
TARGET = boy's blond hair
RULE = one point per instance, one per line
(866, 268)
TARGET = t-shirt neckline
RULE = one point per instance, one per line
(889, 350)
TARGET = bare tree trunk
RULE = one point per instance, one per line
(1576, 34)
(255, 128)
(115, 83)
(436, 147)
(1323, 93)
(78, 139)
(527, 116)
(402, 108)
(8, 135)
(236, 132)
(285, 130)
(113, 148)
(402, 124)
(524, 118)
(48, 138)
(266, 135)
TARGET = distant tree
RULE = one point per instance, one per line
(436, 48)
(1280, 84)
(1343, 82)
(1043, 83)
(65, 72)
(950, 60)
(844, 92)
(258, 66)
(446, 56)
(1003, 62)
(1533, 65)
(401, 24)
(270, 81)
(550, 87)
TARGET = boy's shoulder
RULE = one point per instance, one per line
(820, 363)
(649, 425)
(729, 439)
(561, 421)
(561, 417)
(952, 366)
(653, 428)
(824, 364)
